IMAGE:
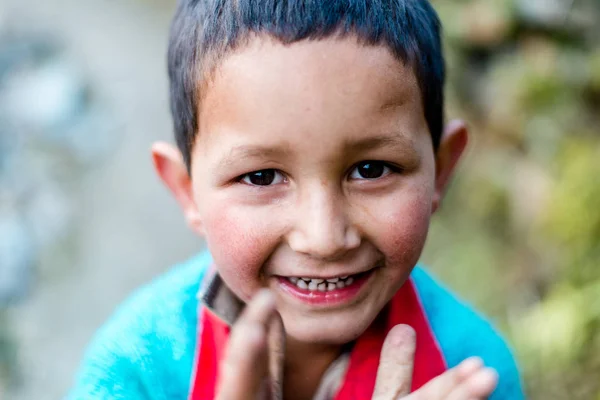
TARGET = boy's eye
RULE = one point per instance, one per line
(370, 170)
(263, 177)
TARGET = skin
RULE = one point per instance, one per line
(309, 114)
(244, 369)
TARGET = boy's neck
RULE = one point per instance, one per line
(305, 365)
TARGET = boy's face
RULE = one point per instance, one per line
(314, 160)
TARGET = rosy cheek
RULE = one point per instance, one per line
(239, 245)
(404, 235)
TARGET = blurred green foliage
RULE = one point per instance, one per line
(523, 215)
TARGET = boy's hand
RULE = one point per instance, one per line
(469, 380)
(253, 364)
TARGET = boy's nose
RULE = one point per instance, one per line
(322, 227)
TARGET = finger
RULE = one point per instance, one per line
(260, 309)
(450, 381)
(441, 386)
(244, 367)
(468, 367)
(276, 353)
(394, 375)
(479, 385)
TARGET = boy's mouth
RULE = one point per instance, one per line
(328, 284)
(325, 285)
(325, 291)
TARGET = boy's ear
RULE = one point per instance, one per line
(452, 145)
(171, 169)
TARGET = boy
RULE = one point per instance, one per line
(312, 152)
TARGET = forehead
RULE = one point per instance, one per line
(328, 87)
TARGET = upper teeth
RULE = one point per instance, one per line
(321, 285)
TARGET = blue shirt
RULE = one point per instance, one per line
(146, 349)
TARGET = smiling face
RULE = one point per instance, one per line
(314, 160)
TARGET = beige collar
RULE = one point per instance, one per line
(220, 300)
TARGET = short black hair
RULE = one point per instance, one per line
(203, 31)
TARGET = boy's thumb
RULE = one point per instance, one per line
(394, 375)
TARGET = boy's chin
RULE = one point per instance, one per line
(326, 330)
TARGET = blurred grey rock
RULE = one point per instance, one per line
(52, 128)
(91, 138)
(560, 15)
(49, 215)
(17, 257)
(549, 13)
(45, 98)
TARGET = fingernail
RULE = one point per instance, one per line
(402, 334)
(468, 367)
(264, 298)
(491, 372)
(473, 363)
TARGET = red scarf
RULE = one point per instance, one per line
(359, 381)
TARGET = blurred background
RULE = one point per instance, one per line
(83, 220)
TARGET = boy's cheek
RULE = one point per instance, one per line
(239, 242)
(403, 235)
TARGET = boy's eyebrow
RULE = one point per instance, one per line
(252, 151)
(398, 141)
